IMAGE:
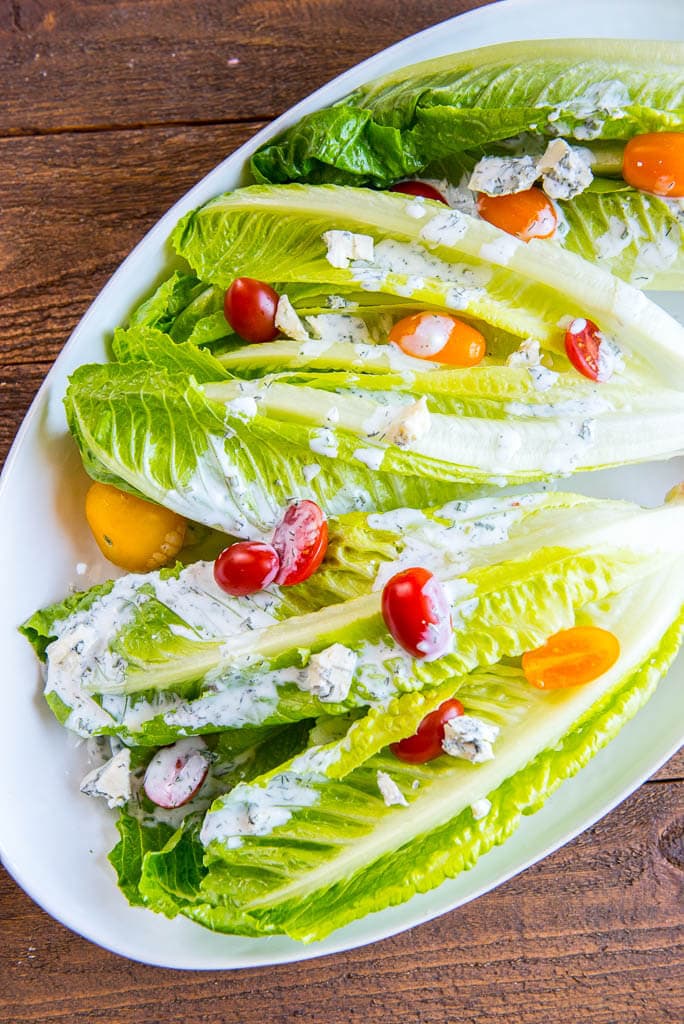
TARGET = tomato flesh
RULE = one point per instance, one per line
(439, 338)
(246, 567)
(655, 163)
(572, 657)
(582, 345)
(250, 308)
(301, 540)
(529, 214)
(134, 534)
(418, 188)
(426, 742)
(417, 613)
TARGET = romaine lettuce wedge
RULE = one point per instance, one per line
(309, 847)
(168, 654)
(437, 119)
(393, 127)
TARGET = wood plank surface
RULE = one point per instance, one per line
(109, 111)
(592, 935)
(98, 64)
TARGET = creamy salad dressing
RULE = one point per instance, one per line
(81, 659)
(599, 102)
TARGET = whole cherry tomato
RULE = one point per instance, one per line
(134, 534)
(655, 163)
(439, 338)
(426, 742)
(418, 188)
(246, 567)
(528, 214)
(250, 309)
(301, 540)
(417, 613)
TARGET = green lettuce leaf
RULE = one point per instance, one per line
(394, 127)
(156, 433)
(339, 852)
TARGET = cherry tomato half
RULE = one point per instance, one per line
(417, 613)
(439, 338)
(134, 534)
(246, 567)
(426, 743)
(582, 344)
(571, 658)
(418, 188)
(528, 214)
(301, 540)
(655, 163)
(176, 773)
(250, 309)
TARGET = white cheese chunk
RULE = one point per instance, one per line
(564, 170)
(389, 790)
(330, 673)
(345, 246)
(111, 781)
(469, 738)
(481, 808)
(411, 423)
(287, 321)
(528, 354)
(503, 175)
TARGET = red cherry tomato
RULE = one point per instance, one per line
(426, 743)
(655, 163)
(582, 344)
(528, 214)
(176, 773)
(416, 612)
(250, 309)
(418, 188)
(246, 567)
(301, 540)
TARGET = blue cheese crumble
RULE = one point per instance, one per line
(390, 792)
(470, 738)
(329, 674)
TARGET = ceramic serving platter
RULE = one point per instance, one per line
(54, 841)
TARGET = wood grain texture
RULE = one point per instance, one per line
(592, 934)
(71, 207)
(98, 63)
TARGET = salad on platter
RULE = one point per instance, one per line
(359, 633)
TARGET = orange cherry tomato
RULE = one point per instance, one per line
(655, 163)
(571, 658)
(132, 533)
(440, 338)
(529, 214)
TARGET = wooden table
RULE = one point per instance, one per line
(109, 111)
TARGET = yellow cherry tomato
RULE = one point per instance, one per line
(440, 338)
(529, 214)
(134, 534)
(572, 657)
(655, 163)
